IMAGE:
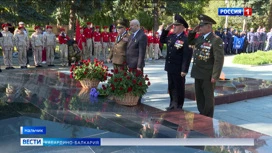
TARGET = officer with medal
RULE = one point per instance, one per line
(177, 61)
(118, 52)
(208, 63)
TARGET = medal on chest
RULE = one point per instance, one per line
(205, 51)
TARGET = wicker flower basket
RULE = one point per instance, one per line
(127, 100)
(86, 83)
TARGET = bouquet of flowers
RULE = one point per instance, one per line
(88, 70)
(130, 81)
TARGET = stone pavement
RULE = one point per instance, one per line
(253, 114)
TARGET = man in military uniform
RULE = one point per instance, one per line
(207, 65)
(177, 62)
(118, 51)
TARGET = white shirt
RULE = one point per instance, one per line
(135, 33)
(206, 35)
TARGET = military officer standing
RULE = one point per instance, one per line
(118, 51)
(177, 61)
(207, 65)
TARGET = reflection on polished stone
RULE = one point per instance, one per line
(237, 89)
(50, 98)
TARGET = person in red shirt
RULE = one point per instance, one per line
(82, 44)
(113, 36)
(97, 42)
(88, 32)
(63, 38)
(150, 46)
(105, 40)
(157, 50)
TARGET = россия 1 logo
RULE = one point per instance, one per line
(235, 11)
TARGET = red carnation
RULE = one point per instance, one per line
(115, 71)
(96, 64)
(81, 67)
(105, 77)
(130, 69)
(129, 89)
(148, 83)
(87, 64)
(112, 88)
(71, 75)
(125, 74)
(85, 72)
(120, 79)
(147, 79)
(134, 81)
(89, 60)
(128, 77)
(140, 84)
(146, 76)
(115, 80)
(121, 88)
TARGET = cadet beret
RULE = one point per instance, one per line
(156, 33)
(36, 27)
(122, 23)
(145, 31)
(62, 29)
(105, 27)
(97, 27)
(49, 27)
(179, 20)
(81, 27)
(4, 25)
(89, 23)
(204, 19)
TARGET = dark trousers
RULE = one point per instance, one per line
(204, 91)
(176, 87)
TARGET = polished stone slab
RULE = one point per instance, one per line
(237, 89)
(51, 98)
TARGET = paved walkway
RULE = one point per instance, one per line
(254, 114)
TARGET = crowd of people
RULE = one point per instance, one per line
(237, 41)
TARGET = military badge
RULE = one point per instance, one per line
(179, 44)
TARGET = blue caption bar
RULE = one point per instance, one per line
(32, 130)
(60, 142)
(231, 11)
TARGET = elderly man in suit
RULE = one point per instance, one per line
(207, 65)
(118, 51)
(178, 60)
(136, 47)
